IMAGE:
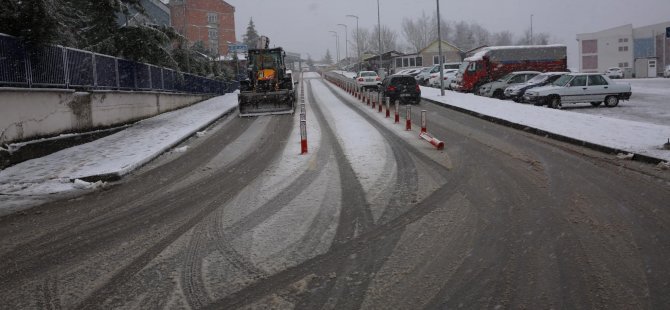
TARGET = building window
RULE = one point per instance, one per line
(589, 46)
(212, 18)
(623, 48)
(625, 40)
(213, 34)
(590, 62)
(436, 59)
(419, 61)
(398, 62)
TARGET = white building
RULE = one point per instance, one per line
(641, 52)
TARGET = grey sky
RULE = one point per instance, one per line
(302, 25)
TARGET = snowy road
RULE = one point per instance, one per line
(371, 218)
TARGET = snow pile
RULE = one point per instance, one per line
(117, 154)
(629, 136)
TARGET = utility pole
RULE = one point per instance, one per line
(358, 41)
(439, 49)
(379, 27)
(346, 42)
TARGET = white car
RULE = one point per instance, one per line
(666, 72)
(368, 79)
(614, 73)
(434, 79)
(579, 87)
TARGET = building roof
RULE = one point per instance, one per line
(443, 42)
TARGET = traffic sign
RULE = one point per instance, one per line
(237, 48)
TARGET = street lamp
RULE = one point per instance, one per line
(439, 49)
(379, 27)
(337, 46)
(358, 40)
(346, 42)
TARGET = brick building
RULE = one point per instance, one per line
(209, 21)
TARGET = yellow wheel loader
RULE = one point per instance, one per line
(269, 88)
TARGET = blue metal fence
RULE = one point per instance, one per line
(24, 65)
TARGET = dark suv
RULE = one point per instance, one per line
(401, 87)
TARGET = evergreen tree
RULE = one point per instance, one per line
(38, 21)
(310, 61)
(328, 59)
(251, 36)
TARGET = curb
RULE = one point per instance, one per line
(540, 132)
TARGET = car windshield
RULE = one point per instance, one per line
(348, 154)
(562, 80)
(538, 79)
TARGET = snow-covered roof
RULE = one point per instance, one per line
(480, 54)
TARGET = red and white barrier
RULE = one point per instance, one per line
(303, 136)
(388, 107)
(435, 142)
(397, 112)
(423, 121)
(408, 118)
(379, 100)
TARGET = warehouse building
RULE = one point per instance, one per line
(640, 52)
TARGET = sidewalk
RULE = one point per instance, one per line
(110, 157)
(605, 133)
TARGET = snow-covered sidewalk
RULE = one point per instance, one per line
(625, 135)
(111, 156)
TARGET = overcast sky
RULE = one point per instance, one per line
(302, 25)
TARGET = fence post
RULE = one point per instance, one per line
(29, 67)
(66, 73)
(151, 78)
(162, 79)
(116, 68)
(95, 71)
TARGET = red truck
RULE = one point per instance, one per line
(494, 62)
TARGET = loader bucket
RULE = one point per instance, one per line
(266, 103)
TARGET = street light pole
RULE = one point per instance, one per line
(337, 46)
(346, 42)
(379, 28)
(358, 41)
(439, 48)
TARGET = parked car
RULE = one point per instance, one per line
(414, 72)
(579, 87)
(614, 73)
(496, 89)
(435, 71)
(401, 87)
(367, 79)
(515, 92)
(666, 72)
(434, 80)
(422, 77)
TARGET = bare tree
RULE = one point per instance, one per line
(539, 38)
(361, 40)
(481, 35)
(389, 40)
(502, 38)
(418, 32)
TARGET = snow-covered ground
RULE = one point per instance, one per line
(637, 137)
(117, 154)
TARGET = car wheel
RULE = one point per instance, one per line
(595, 104)
(555, 102)
(611, 101)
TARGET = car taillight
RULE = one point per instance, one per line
(379, 79)
(391, 88)
(361, 79)
(418, 89)
(433, 75)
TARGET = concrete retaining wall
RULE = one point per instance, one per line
(32, 113)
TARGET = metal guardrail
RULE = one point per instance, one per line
(25, 65)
